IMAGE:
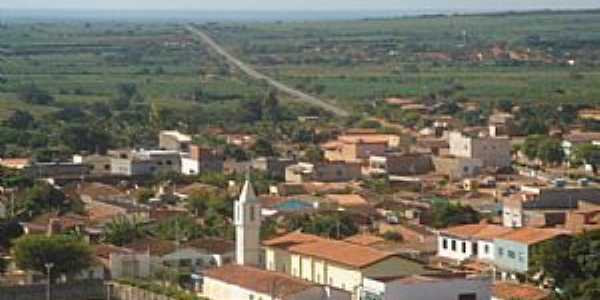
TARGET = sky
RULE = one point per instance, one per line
(240, 5)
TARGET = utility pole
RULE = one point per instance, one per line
(49, 267)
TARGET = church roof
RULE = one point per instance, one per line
(248, 194)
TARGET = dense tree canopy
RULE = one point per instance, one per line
(69, 255)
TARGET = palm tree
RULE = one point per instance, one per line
(122, 230)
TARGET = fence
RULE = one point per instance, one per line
(81, 290)
(127, 292)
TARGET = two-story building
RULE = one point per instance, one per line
(200, 159)
(494, 152)
(146, 162)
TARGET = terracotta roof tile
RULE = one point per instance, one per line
(212, 245)
(509, 290)
(364, 239)
(478, 231)
(347, 199)
(337, 251)
(156, 247)
(531, 236)
(259, 280)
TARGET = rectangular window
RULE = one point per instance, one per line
(453, 245)
(511, 254)
(445, 243)
(486, 249)
(252, 213)
(471, 296)
(521, 257)
(464, 247)
(500, 251)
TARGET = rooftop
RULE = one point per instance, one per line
(509, 290)
(341, 252)
(477, 231)
(347, 199)
(531, 236)
(180, 137)
(259, 280)
(364, 239)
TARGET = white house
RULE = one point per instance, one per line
(428, 287)
(235, 282)
(473, 241)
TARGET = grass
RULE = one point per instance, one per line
(351, 60)
(82, 63)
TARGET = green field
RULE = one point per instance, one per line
(357, 61)
(82, 63)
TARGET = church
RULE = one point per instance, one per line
(303, 266)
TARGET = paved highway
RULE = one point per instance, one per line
(250, 71)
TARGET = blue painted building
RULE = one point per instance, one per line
(513, 250)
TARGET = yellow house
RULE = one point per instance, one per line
(339, 264)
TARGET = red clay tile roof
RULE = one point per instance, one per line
(477, 231)
(365, 138)
(212, 245)
(259, 280)
(156, 247)
(104, 250)
(364, 239)
(337, 251)
(509, 291)
(531, 236)
(347, 199)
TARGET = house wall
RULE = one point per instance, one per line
(493, 152)
(512, 216)
(457, 168)
(456, 249)
(129, 265)
(214, 289)
(337, 172)
(511, 256)
(322, 293)
(443, 289)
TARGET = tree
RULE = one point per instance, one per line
(314, 154)
(122, 231)
(505, 105)
(43, 197)
(444, 214)
(68, 254)
(530, 146)
(9, 230)
(586, 154)
(550, 151)
(34, 95)
(336, 225)
(263, 147)
(197, 202)
(143, 195)
(271, 109)
(21, 120)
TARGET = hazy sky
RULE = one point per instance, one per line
(299, 4)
